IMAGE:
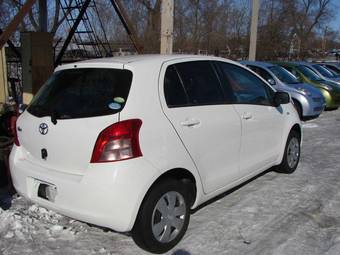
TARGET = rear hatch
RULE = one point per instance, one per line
(60, 127)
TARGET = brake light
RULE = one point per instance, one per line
(14, 129)
(119, 141)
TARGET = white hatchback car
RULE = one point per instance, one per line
(133, 143)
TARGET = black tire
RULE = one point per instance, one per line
(298, 108)
(142, 232)
(287, 165)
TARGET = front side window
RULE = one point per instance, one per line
(247, 88)
(200, 82)
(263, 73)
(82, 92)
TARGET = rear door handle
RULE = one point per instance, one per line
(247, 116)
(190, 122)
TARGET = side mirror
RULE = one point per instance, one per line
(281, 98)
(271, 82)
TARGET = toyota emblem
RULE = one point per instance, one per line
(43, 128)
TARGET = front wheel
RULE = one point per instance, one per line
(291, 155)
(163, 217)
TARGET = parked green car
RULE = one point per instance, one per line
(329, 89)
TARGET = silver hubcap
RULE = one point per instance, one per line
(293, 152)
(168, 217)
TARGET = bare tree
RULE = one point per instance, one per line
(31, 23)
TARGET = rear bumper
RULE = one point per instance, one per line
(108, 194)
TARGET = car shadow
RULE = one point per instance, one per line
(5, 198)
(181, 252)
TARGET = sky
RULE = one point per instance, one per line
(335, 24)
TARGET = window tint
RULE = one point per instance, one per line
(248, 89)
(82, 92)
(200, 82)
(293, 71)
(263, 73)
(173, 89)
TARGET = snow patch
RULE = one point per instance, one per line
(310, 125)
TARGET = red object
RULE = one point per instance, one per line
(117, 142)
(13, 128)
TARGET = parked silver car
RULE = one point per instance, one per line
(308, 100)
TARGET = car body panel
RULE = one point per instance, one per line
(110, 194)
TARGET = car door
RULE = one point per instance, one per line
(262, 124)
(204, 119)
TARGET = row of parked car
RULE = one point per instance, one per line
(313, 86)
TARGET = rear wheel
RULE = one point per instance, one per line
(291, 155)
(163, 217)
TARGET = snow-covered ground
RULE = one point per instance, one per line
(272, 214)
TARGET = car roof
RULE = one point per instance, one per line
(291, 64)
(257, 63)
(145, 59)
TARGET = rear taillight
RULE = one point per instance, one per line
(119, 141)
(14, 129)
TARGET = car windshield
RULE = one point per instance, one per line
(82, 92)
(309, 73)
(283, 75)
(324, 71)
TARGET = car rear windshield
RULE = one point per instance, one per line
(82, 92)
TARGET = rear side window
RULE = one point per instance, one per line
(82, 92)
(200, 82)
(248, 89)
(174, 92)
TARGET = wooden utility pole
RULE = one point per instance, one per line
(43, 15)
(3, 77)
(167, 26)
(253, 30)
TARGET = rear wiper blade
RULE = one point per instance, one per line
(54, 116)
